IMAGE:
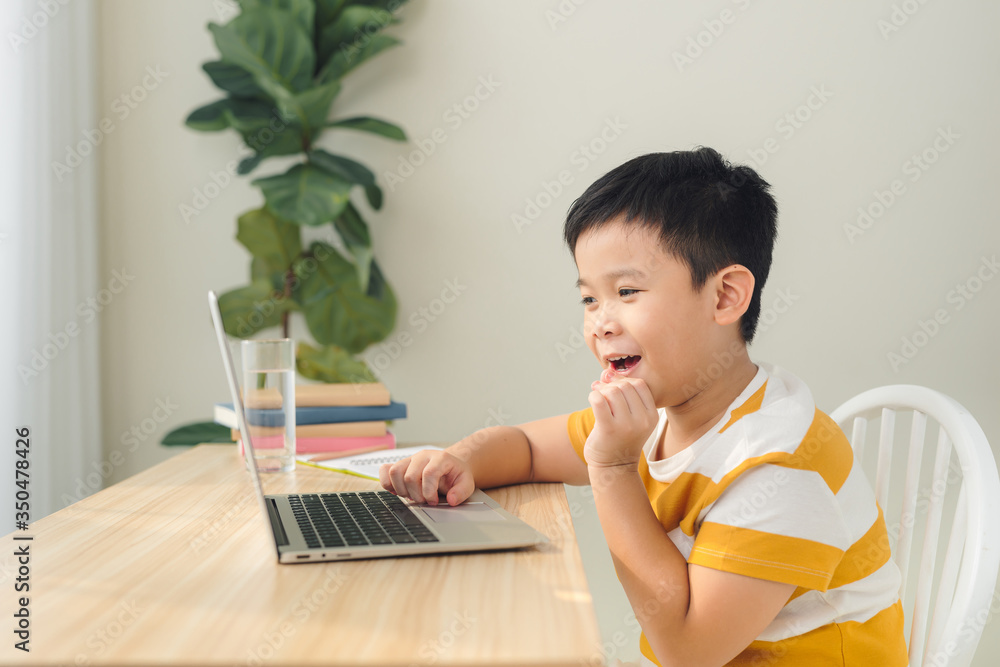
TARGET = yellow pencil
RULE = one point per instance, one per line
(349, 452)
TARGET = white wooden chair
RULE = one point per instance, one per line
(946, 600)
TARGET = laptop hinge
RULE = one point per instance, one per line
(279, 530)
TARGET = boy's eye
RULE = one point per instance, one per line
(587, 300)
(627, 292)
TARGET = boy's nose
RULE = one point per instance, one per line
(605, 324)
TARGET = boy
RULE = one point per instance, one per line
(740, 526)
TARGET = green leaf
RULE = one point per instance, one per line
(330, 363)
(232, 79)
(373, 125)
(247, 310)
(354, 232)
(195, 434)
(270, 44)
(336, 310)
(269, 239)
(268, 142)
(209, 118)
(310, 108)
(378, 287)
(346, 168)
(302, 10)
(374, 195)
(239, 112)
(327, 12)
(352, 55)
(354, 27)
(349, 170)
(248, 164)
(261, 270)
(305, 195)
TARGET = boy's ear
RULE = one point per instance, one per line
(733, 291)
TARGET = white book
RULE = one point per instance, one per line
(365, 465)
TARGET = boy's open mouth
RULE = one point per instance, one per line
(624, 364)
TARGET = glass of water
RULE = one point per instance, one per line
(269, 400)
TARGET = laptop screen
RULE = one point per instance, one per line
(227, 361)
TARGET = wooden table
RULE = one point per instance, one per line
(173, 566)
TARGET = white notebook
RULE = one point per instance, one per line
(364, 465)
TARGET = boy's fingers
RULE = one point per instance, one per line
(396, 472)
(461, 488)
(632, 394)
(413, 476)
(599, 404)
(383, 477)
(645, 394)
(615, 396)
(434, 474)
(630, 390)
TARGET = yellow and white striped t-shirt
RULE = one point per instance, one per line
(773, 492)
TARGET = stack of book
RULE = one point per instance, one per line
(329, 418)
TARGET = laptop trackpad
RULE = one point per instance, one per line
(464, 512)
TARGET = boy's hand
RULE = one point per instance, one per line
(426, 474)
(625, 414)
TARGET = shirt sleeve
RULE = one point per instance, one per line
(775, 523)
(581, 423)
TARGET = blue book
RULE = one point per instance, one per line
(226, 415)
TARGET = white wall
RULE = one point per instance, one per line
(494, 350)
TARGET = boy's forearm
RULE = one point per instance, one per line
(652, 571)
(498, 456)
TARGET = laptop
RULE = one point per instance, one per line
(307, 527)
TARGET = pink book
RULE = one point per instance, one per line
(314, 445)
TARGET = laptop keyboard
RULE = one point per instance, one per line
(357, 519)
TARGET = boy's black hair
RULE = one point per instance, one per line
(708, 213)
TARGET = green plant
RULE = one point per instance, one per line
(281, 66)
(281, 69)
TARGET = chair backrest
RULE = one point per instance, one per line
(946, 600)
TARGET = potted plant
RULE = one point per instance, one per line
(281, 67)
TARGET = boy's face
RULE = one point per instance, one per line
(639, 304)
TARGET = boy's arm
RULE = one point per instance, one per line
(691, 615)
(538, 451)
